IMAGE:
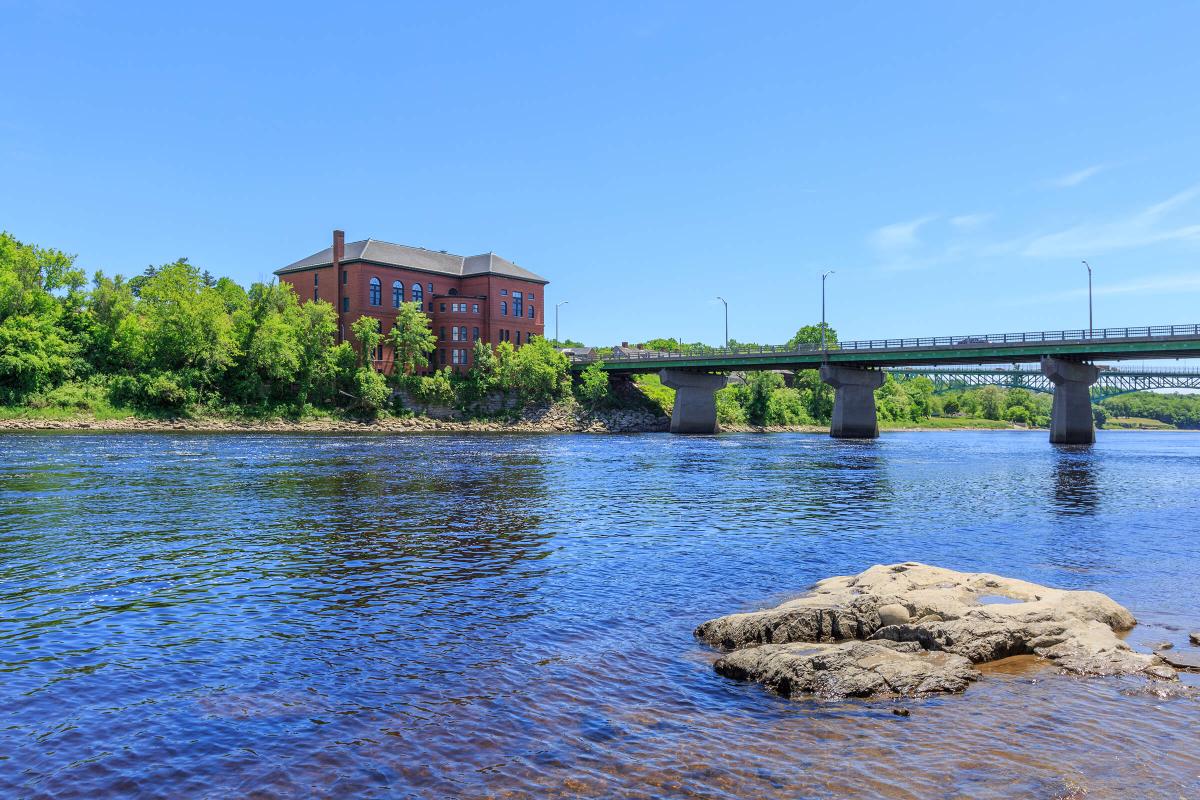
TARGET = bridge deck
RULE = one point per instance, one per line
(1148, 342)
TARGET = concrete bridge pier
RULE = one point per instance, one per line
(1071, 413)
(695, 402)
(854, 401)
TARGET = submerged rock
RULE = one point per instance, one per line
(1181, 660)
(911, 629)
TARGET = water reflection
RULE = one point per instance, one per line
(511, 616)
(1076, 486)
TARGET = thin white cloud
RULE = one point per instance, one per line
(1148, 285)
(969, 220)
(1077, 177)
(899, 235)
(1143, 228)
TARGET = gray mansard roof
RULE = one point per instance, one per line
(399, 255)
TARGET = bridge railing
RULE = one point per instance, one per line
(971, 342)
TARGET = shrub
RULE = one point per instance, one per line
(786, 407)
(760, 387)
(593, 385)
(729, 409)
(372, 390)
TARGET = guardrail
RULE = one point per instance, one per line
(971, 342)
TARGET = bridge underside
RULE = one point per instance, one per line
(854, 413)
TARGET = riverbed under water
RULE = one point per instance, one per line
(510, 616)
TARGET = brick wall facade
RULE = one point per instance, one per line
(478, 303)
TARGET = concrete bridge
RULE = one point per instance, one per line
(856, 368)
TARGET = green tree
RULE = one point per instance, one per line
(786, 407)
(411, 338)
(366, 333)
(320, 360)
(811, 335)
(991, 402)
(186, 327)
(593, 384)
(35, 352)
(760, 386)
(371, 389)
(540, 371)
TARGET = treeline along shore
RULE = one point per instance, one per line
(176, 348)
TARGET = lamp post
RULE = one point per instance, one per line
(722, 299)
(824, 275)
(1089, 269)
(557, 341)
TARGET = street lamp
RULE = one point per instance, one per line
(722, 299)
(824, 275)
(557, 341)
(1089, 269)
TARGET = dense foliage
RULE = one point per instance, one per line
(175, 338)
(1180, 410)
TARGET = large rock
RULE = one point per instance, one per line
(849, 669)
(921, 616)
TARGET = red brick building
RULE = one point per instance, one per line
(466, 297)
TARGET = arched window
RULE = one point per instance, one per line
(397, 294)
(504, 308)
(452, 292)
(417, 294)
(376, 292)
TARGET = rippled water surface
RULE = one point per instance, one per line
(425, 616)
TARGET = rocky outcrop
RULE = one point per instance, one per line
(911, 628)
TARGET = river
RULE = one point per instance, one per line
(428, 616)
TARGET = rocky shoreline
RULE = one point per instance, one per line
(913, 629)
(546, 419)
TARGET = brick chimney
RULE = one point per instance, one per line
(339, 252)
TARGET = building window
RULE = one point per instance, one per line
(345, 304)
(442, 307)
(453, 292)
(431, 306)
(518, 303)
(442, 334)
(504, 292)
(345, 277)
(454, 333)
(316, 286)
(529, 296)
(474, 308)
(431, 288)
(475, 334)
(441, 356)
(531, 313)
(376, 292)
(417, 295)
(518, 337)
(504, 308)
(397, 294)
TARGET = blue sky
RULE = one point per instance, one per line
(952, 163)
